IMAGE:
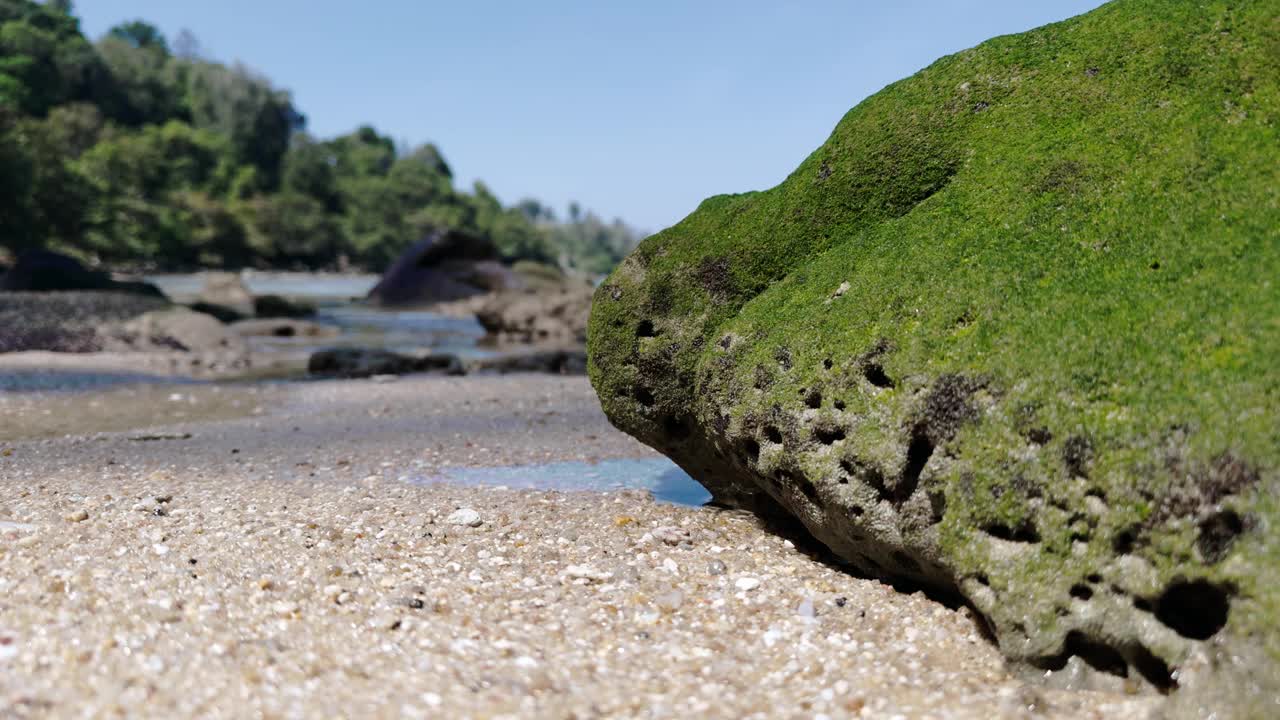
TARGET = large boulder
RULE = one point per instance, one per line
(556, 316)
(225, 296)
(445, 266)
(48, 271)
(212, 344)
(1010, 333)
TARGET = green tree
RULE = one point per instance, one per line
(75, 128)
(142, 35)
(146, 84)
(291, 230)
(257, 120)
(137, 175)
(44, 60)
(215, 235)
(309, 170)
(17, 171)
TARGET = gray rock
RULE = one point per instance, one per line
(276, 306)
(179, 329)
(558, 316)
(370, 362)
(227, 290)
(556, 362)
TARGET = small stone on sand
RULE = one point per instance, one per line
(465, 517)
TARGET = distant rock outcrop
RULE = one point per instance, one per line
(443, 267)
(47, 271)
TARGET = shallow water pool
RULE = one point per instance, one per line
(660, 476)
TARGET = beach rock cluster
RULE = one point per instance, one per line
(552, 317)
(457, 274)
(1009, 334)
(227, 297)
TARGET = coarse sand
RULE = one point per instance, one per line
(252, 551)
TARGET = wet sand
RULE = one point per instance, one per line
(260, 556)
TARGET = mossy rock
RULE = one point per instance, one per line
(1012, 332)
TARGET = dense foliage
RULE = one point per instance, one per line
(128, 152)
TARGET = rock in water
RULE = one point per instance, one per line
(559, 362)
(352, 362)
(284, 328)
(545, 316)
(276, 306)
(226, 297)
(1011, 333)
(445, 266)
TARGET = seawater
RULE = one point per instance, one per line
(660, 476)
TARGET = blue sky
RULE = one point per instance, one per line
(635, 109)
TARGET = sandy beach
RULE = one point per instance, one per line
(200, 550)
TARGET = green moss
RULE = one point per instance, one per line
(1082, 223)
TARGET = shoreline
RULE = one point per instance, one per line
(271, 564)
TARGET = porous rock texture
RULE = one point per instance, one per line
(1011, 333)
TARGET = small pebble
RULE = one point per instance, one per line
(586, 572)
(465, 517)
(747, 584)
(77, 516)
(716, 567)
(670, 601)
(805, 609)
(672, 535)
(286, 609)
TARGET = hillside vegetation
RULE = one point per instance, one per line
(127, 151)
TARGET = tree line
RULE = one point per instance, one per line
(129, 152)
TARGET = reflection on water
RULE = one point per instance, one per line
(660, 476)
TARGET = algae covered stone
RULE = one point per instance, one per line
(1012, 332)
